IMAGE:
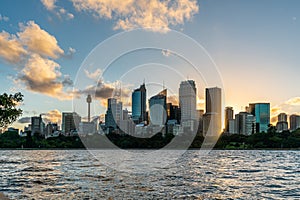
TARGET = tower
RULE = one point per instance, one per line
(89, 100)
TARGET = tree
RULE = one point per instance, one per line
(8, 108)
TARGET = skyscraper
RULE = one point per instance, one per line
(245, 123)
(37, 125)
(114, 113)
(294, 122)
(158, 108)
(212, 121)
(188, 100)
(139, 104)
(70, 122)
(228, 116)
(282, 124)
(261, 111)
(89, 100)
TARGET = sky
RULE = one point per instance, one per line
(54, 52)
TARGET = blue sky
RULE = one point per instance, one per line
(255, 45)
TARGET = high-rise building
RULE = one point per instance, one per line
(282, 124)
(212, 121)
(188, 100)
(37, 125)
(245, 123)
(89, 100)
(70, 122)
(139, 105)
(158, 108)
(294, 122)
(261, 111)
(114, 113)
(228, 116)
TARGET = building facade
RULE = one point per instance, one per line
(139, 105)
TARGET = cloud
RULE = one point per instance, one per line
(56, 10)
(93, 75)
(293, 101)
(101, 91)
(166, 52)
(34, 50)
(129, 14)
(53, 116)
(11, 50)
(4, 18)
(42, 75)
(39, 41)
(24, 120)
(173, 99)
(67, 81)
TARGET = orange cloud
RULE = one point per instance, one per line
(154, 14)
(53, 116)
(39, 41)
(11, 49)
(58, 11)
(293, 101)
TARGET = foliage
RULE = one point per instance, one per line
(8, 108)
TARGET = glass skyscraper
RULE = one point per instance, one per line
(158, 108)
(139, 104)
(262, 115)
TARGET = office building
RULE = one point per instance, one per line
(261, 111)
(228, 116)
(188, 100)
(294, 122)
(212, 120)
(114, 113)
(37, 125)
(245, 123)
(282, 124)
(70, 122)
(158, 108)
(139, 105)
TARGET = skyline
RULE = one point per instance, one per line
(255, 52)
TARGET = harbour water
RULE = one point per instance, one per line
(76, 174)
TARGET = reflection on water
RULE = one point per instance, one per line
(59, 174)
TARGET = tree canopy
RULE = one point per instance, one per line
(8, 108)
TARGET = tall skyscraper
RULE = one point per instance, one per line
(282, 124)
(228, 116)
(245, 123)
(261, 111)
(188, 100)
(37, 125)
(212, 121)
(158, 108)
(114, 113)
(139, 104)
(70, 122)
(294, 122)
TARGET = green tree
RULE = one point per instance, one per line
(8, 108)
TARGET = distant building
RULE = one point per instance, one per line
(188, 100)
(294, 122)
(228, 116)
(50, 129)
(212, 120)
(70, 122)
(158, 107)
(139, 105)
(245, 123)
(282, 124)
(261, 111)
(87, 128)
(37, 125)
(114, 113)
(232, 126)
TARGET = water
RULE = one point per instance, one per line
(76, 174)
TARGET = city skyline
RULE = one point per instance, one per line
(245, 49)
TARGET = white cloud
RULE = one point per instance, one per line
(4, 18)
(39, 41)
(61, 13)
(11, 49)
(93, 75)
(166, 52)
(154, 14)
(293, 101)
